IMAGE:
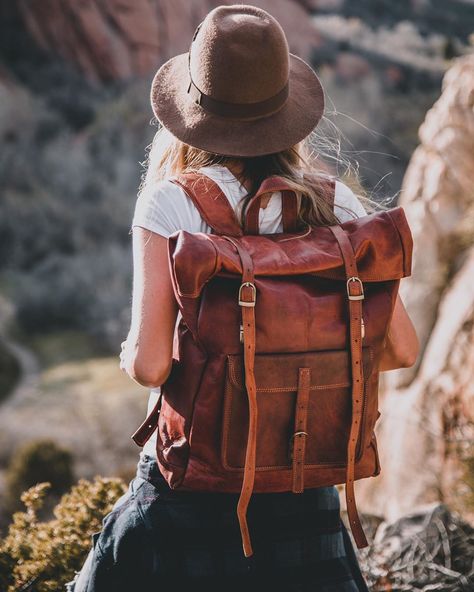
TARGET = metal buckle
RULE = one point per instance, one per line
(254, 294)
(298, 434)
(291, 443)
(358, 296)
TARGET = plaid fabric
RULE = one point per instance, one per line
(156, 537)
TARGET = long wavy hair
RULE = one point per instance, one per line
(305, 166)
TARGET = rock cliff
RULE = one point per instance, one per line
(426, 430)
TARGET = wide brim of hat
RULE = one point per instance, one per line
(191, 124)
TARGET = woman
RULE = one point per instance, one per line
(237, 108)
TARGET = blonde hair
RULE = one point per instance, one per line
(301, 165)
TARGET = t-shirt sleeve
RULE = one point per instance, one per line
(346, 204)
(165, 208)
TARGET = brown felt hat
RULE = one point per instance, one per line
(238, 91)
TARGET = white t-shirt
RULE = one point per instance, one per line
(166, 208)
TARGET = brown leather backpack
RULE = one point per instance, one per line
(275, 387)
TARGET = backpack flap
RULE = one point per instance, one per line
(382, 244)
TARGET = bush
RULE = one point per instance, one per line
(35, 462)
(46, 554)
(9, 371)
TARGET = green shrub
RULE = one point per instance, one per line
(46, 554)
(35, 462)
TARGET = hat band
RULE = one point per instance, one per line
(238, 110)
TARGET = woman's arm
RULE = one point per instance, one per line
(402, 345)
(147, 352)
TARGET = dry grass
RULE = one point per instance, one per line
(87, 405)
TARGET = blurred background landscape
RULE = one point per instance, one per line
(75, 122)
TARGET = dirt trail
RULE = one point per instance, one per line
(29, 364)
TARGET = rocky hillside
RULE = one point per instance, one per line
(108, 40)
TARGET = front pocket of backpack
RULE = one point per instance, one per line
(276, 376)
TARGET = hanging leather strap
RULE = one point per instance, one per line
(300, 434)
(247, 299)
(355, 294)
(211, 202)
(149, 425)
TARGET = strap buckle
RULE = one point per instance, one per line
(356, 296)
(250, 303)
(299, 433)
(291, 443)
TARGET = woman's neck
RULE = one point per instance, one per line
(236, 168)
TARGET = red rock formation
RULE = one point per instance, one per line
(119, 39)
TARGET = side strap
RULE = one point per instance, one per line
(247, 298)
(355, 294)
(211, 202)
(149, 425)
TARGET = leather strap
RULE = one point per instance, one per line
(211, 202)
(289, 212)
(247, 298)
(289, 203)
(300, 435)
(149, 425)
(355, 296)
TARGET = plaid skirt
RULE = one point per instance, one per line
(157, 539)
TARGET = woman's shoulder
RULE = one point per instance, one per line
(160, 191)
(164, 207)
(347, 205)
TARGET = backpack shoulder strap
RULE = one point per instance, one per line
(289, 205)
(211, 202)
(327, 186)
